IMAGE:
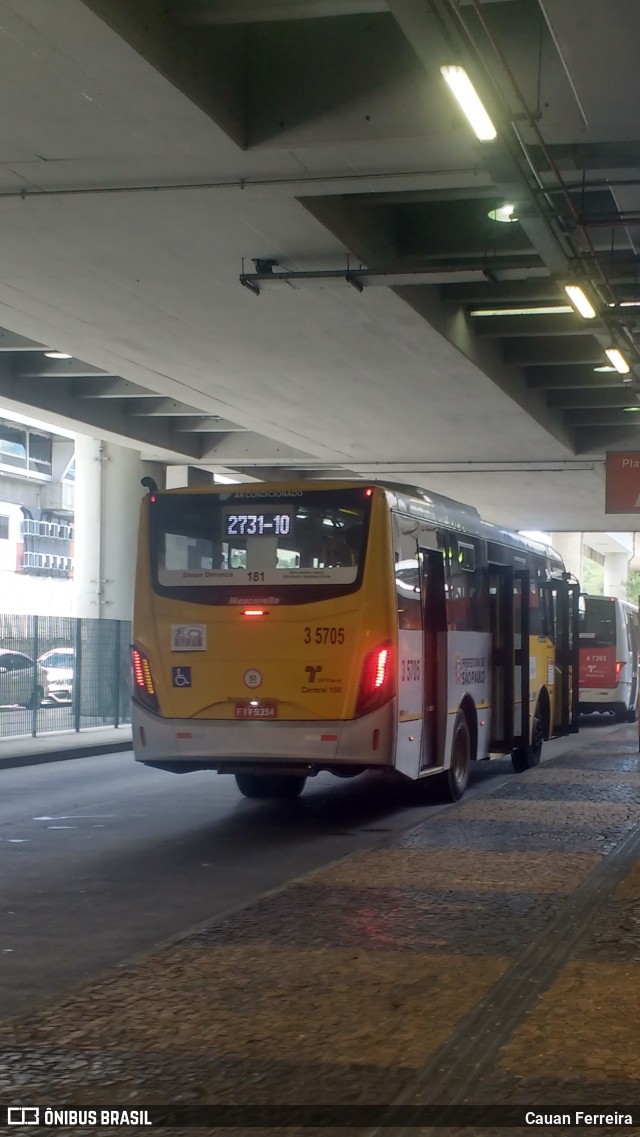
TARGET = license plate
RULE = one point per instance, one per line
(264, 710)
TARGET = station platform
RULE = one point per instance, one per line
(63, 745)
(474, 972)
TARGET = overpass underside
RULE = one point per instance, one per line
(263, 233)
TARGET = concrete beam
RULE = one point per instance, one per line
(603, 416)
(10, 341)
(517, 293)
(599, 439)
(102, 418)
(115, 388)
(219, 12)
(555, 351)
(570, 377)
(159, 408)
(508, 327)
(248, 449)
(207, 425)
(582, 398)
(44, 368)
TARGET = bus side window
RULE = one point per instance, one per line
(407, 574)
(466, 587)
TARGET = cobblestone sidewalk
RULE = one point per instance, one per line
(490, 956)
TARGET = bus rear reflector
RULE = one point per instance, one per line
(376, 681)
(143, 686)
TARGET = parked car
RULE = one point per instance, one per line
(59, 666)
(22, 680)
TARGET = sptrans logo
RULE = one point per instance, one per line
(470, 671)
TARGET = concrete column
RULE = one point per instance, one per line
(87, 527)
(616, 569)
(107, 500)
(569, 545)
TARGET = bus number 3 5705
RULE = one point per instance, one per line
(324, 635)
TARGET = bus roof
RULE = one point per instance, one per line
(413, 500)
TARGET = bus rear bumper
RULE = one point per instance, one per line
(181, 745)
(605, 698)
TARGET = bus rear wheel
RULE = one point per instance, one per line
(525, 757)
(453, 782)
(280, 786)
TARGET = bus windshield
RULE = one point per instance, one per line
(597, 621)
(224, 548)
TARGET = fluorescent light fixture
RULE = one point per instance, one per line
(631, 410)
(57, 355)
(505, 213)
(469, 101)
(617, 358)
(550, 310)
(625, 304)
(579, 301)
(606, 367)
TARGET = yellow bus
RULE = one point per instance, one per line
(285, 629)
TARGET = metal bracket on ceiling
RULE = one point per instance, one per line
(264, 274)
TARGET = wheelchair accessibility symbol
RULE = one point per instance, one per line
(181, 676)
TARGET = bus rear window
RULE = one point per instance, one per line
(223, 548)
(597, 624)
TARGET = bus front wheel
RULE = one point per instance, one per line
(524, 757)
(280, 786)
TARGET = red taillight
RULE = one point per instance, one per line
(376, 681)
(619, 667)
(143, 685)
(253, 612)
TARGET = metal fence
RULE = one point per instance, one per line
(59, 673)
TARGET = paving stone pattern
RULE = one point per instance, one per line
(347, 987)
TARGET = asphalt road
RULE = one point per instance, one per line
(101, 859)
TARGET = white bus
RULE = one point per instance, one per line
(608, 656)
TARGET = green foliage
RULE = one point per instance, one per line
(632, 586)
(592, 578)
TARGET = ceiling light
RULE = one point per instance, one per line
(618, 360)
(469, 101)
(57, 355)
(606, 367)
(625, 304)
(550, 310)
(579, 301)
(631, 410)
(505, 213)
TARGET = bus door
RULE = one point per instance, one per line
(564, 596)
(410, 656)
(501, 624)
(434, 686)
(421, 657)
(522, 657)
(632, 635)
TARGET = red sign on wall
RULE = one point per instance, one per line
(597, 667)
(623, 482)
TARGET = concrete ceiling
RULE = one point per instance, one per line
(156, 156)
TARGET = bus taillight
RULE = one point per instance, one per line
(619, 666)
(143, 685)
(376, 682)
